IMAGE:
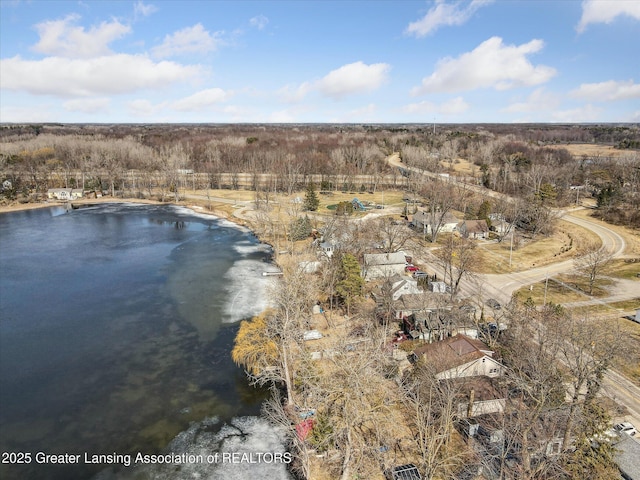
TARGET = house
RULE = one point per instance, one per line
(473, 229)
(423, 221)
(437, 323)
(59, 193)
(327, 249)
(379, 265)
(411, 303)
(627, 453)
(64, 193)
(479, 396)
(460, 356)
(399, 285)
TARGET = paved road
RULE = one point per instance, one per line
(501, 287)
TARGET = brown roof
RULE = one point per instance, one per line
(454, 351)
(474, 226)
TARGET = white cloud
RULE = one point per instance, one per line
(113, 74)
(87, 105)
(144, 108)
(353, 78)
(22, 114)
(587, 113)
(259, 21)
(607, 91)
(454, 106)
(201, 100)
(538, 101)
(605, 11)
(64, 39)
(142, 10)
(188, 40)
(350, 79)
(282, 116)
(490, 65)
(447, 14)
(293, 94)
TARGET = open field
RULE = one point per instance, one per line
(562, 245)
(627, 361)
(593, 150)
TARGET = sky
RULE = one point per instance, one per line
(303, 61)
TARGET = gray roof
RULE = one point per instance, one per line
(384, 258)
(626, 457)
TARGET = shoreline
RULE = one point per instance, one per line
(18, 207)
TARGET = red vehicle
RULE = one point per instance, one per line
(411, 268)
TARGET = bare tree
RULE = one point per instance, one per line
(593, 263)
(458, 260)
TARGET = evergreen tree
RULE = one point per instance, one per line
(311, 201)
(350, 284)
(300, 228)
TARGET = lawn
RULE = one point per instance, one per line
(493, 257)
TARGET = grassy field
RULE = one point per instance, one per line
(493, 257)
(589, 149)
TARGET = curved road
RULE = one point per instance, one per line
(501, 287)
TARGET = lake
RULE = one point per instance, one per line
(116, 326)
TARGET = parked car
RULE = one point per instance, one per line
(626, 427)
(493, 303)
(411, 268)
(420, 274)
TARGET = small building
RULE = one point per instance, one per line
(380, 265)
(473, 229)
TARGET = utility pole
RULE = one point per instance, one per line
(546, 284)
(511, 247)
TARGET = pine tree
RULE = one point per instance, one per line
(350, 284)
(311, 201)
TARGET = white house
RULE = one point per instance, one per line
(64, 193)
(399, 285)
(423, 221)
(380, 265)
(460, 356)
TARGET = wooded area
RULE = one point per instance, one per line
(160, 161)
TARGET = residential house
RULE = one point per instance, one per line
(479, 396)
(438, 323)
(381, 265)
(327, 249)
(399, 285)
(627, 453)
(423, 221)
(64, 193)
(411, 303)
(460, 356)
(473, 229)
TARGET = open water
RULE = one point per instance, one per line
(116, 326)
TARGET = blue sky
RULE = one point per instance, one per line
(326, 61)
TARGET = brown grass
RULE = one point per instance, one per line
(591, 150)
(562, 245)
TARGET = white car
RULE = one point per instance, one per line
(626, 427)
